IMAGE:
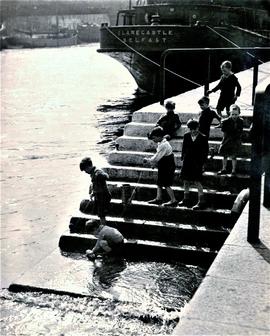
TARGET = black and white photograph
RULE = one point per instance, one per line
(135, 167)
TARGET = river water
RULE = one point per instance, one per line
(57, 106)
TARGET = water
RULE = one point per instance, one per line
(59, 105)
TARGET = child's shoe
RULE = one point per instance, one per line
(185, 203)
(222, 172)
(199, 206)
(170, 204)
(155, 201)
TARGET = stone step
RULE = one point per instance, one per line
(144, 250)
(145, 192)
(141, 130)
(170, 233)
(142, 144)
(131, 158)
(143, 210)
(233, 184)
(152, 117)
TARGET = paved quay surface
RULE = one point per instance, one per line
(233, 298)
(187, 102)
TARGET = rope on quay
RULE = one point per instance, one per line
(234, 44)
(151, 61)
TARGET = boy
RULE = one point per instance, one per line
(98, 190)
(232, 128)
(194, 155)
(164, 159)
(227, 85)
(108, 239)
(206, 116)
(170, 122)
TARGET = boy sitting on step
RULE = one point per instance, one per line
(109, 240)
(170, 122)
(164, 159)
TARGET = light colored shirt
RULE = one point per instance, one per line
(163, 149)
(111, 235)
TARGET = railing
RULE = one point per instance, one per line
(209, 51)
(260, 160)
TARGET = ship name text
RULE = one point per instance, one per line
(144, 35)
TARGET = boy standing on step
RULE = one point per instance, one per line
(170, 122)
(194, 155)
(164, 159)
(229, 88)
(206, 116)
(231, 142)
(98, 190)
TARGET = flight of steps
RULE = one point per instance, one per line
(158, 232)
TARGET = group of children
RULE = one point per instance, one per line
(195, 143)
(194, 156)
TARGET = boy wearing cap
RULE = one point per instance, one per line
(108, 239)
(164, 159)
(98, 190)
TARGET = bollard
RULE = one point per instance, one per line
(126, 193)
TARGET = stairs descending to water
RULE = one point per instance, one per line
(158, 232)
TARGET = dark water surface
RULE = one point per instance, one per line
(59, 105)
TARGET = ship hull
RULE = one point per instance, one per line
(139, 49)
(42, 42)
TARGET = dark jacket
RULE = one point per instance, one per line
(227, 86)
(170, 123)
(205, 120)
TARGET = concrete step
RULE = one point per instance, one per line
(141, 130)
(152, 117)
(170, 233)
(143, 210)
(145, 192)
(144, 250)
(131, 158)
(233, 184)
(142, 144)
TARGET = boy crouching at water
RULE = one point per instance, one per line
(164, 159)
(109, 240)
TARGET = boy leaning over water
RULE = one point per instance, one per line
(98, 190)
(109, 240)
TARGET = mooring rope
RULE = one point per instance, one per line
(234, 44)
(151, 61)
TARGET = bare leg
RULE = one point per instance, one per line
(234, 165)
(159, 193)
(102, 220)
(158, 199)
(201, 201)
(200, 189)
(171, 194)
(224, 163)
(186, 200)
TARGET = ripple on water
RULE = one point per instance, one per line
(138, 296)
